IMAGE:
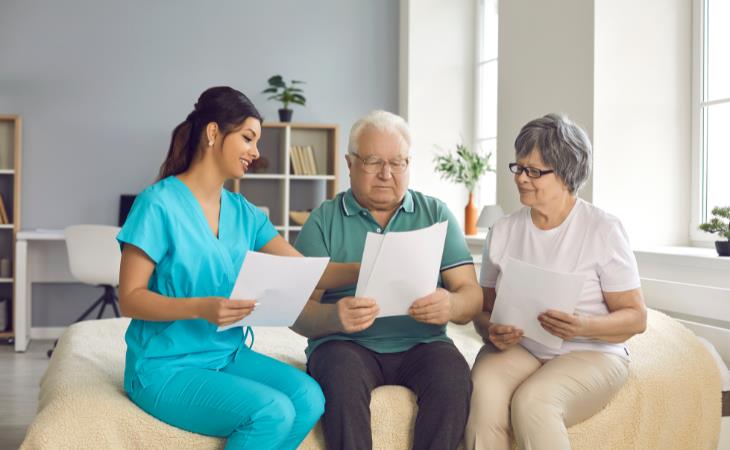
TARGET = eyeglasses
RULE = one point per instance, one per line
(531, 172)
(373, 164)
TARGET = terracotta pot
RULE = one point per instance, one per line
(471, 213)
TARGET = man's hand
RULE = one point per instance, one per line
(434, 308)
(356, 313)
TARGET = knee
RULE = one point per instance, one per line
(531, 407)
(277, 416)
(309, 401)
(338, 370)
(451, 386)
(490, 405)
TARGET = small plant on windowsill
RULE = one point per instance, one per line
(465, 167)
(719, 224)
(285, 94)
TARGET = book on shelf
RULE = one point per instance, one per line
(4, 219)
(302, 160)
(311, 165)
(296, 160)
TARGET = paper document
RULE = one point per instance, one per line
(526, 291)
(400, 267)
(280, 284)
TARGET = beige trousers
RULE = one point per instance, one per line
(539, 400)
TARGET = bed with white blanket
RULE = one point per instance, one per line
(671, 400)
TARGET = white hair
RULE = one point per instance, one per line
(382, 121)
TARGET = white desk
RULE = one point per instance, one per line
(40, 256)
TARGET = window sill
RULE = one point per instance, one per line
(685, 256)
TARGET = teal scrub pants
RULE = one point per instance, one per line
(255, 401)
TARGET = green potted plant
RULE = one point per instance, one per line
(285, 94)
(721, 227)
(466, 167)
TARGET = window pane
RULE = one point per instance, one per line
(718, 156)
(718, 49)
(487, 184)
(489, 30)
(487, 125)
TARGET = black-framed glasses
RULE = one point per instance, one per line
(373, 164)
(532, 172)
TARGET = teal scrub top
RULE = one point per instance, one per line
(167, 223)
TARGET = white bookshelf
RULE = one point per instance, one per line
(10, 159)
(277, 186)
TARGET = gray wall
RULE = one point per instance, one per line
(101, 84)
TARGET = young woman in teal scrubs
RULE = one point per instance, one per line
(182, 246)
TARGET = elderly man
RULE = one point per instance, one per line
(350, 351)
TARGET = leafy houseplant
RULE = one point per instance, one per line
(721, 227)
(285, 94)
(465, 167)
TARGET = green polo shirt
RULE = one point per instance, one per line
(338, 227)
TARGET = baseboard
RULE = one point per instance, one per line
(46, 332)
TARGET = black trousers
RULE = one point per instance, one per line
(436, 372)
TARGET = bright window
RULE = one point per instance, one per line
(712, 114)
(486, 108)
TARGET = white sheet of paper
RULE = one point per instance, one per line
(281, 284)
(403, 268)
(373, 243)
(526, 291)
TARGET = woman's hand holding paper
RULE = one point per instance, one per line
(504, 336)
(563, 325)
(222, 311)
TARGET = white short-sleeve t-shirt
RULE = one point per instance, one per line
(589, 241)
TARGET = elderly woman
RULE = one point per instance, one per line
(538, 390)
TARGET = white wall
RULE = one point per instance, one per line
(642, 122)
(545, 65)
(622, 70)
(101, 85)
(437, 87)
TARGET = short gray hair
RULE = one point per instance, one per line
(563, 145)
(382, 121)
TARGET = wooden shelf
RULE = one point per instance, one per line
(6, 280)
(293, 192)
(6, 334)
(262, 176)
(312, 177)
(6, 226)
(7, 172)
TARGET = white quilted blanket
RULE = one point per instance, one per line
(671, 401)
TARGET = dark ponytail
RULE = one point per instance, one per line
(223, 105)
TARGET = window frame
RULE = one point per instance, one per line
(699, 127)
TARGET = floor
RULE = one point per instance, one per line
(19, 377)
(21, 372)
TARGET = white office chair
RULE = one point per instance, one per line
(94, 257)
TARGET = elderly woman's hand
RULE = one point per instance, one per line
(563, 325)
(504, 336)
